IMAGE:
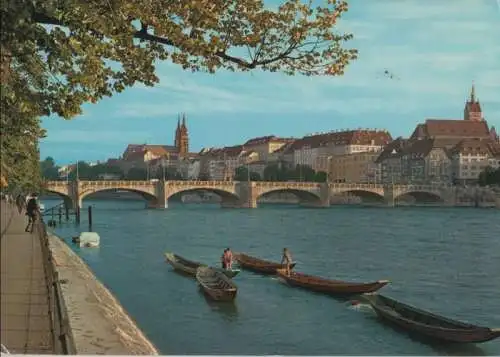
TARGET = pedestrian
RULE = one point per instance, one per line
(32, 210)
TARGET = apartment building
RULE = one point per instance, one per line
(266, 145)
(358, 167)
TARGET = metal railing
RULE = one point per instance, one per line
(52, 211)
(61, 332)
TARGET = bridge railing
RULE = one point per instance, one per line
(213, 183)
(417, 187)
(357, 185)
(120, 183)
(289, 184)
(200, 183)
(56, 183)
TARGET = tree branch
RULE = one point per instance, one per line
(143, 34)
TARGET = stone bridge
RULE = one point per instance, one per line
(243, 194)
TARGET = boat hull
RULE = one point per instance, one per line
(329, 287)
(216, 285)
(189, 268)
(258, 265)
(428, 325)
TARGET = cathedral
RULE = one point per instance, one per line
(473, 112)
(148, 152)
(182, 137)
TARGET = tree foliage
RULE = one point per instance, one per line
(489, 176)
(241, 174)
(56, 55)
(19, 162)
(60, 54)
(299, 173)
(49, 170)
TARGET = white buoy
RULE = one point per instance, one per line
(89, 239)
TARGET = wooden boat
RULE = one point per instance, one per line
(428, 324)
(216, 284)
(258, 265)
(327, 286)
(189, 267)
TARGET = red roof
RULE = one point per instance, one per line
(436, 128)
(350, 137)
(475, 146)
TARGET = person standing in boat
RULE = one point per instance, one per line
(286, 260)
(229, 258)
(223, 259)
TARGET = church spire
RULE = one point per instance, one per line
(183, 120)
(472, 110)
(473, 93)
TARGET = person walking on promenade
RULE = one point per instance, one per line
(32, 211)
(19, 202)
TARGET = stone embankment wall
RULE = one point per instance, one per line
(98, 322)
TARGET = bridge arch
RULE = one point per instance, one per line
(226, 196)
(305, 196)
(67, 199)
(149, 197)
(364, 194)
(421, 196)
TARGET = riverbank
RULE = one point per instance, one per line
(98, 322)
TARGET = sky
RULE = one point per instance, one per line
(435, 49)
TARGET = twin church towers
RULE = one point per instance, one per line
(182, 136)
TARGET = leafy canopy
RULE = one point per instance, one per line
(95, 48)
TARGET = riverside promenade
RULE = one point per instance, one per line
(84, 316)
(26, 326)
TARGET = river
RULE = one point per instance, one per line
(445, 260)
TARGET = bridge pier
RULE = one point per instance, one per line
(247, 194)
(324, 198)
(68, 203)
(389, 196)
(450, 200)
(78, 204)
(157, 205)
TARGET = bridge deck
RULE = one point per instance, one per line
(25, 321)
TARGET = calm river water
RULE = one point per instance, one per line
(444, 260)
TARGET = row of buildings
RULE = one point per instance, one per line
(438, 151)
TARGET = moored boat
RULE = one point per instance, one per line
(428, 324)
(258, 265)
(328, 286)
(189, 267)
(215, 284)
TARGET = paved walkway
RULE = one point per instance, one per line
(25, 320)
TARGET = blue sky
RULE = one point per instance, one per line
(435, 48)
